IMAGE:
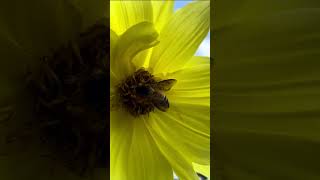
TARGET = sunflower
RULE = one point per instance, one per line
(266, 90)
(159, 91)
(33, 40)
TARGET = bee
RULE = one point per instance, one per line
(154, 93)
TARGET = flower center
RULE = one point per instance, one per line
(141, 93)
(71, 100)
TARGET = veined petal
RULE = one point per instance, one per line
(113, 42)
(198, 60)
(180, 164)
(181, 37)
(142, 59)
(189, 114)
(187, 129)
(202, 169)
(128, 13)
(267, 96)
(133, 153)
(136, 39)
(162, 12)
(230, 13)
(193, 83)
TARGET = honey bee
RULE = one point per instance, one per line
(154, 93)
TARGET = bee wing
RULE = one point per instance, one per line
(166, 85)
(160, 101)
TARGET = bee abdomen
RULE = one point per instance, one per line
(161, 102)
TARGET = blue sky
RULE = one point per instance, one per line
(179, 4)
(204, 49)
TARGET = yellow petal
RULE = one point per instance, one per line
(180, 164)
(162, 12)
(193, 83)
(266, 93)
(233, 12)
(125, 14)
(133, 153)
(189, 112)
(136, 39)
(187, 129)
(113, 43)
(202, 169)
(181, 37)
